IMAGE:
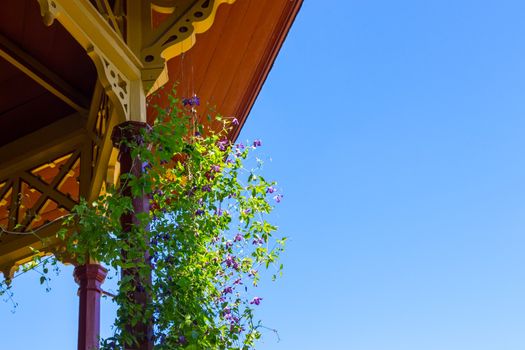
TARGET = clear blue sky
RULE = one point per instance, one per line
(397, 133)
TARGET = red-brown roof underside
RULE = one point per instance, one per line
(229, 63)
(26, 106)
(226, 68)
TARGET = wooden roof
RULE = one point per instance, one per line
(48, 83)
(53, 56)
(229, 63)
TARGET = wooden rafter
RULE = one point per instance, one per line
(47, 143)
(42, 75)
(65, 168)
(13, 206)
(48, 191)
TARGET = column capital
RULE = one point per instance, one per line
(130, 132)
(90, 276)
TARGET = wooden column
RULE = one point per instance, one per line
(89, 278)
(123, 135)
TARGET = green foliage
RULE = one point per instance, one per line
(198, 252)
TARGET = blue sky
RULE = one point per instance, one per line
(396, 132)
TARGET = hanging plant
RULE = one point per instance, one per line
(191, 264)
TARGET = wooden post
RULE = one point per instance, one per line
(89, 278)
(123, 135)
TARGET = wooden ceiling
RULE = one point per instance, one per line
(46, 79)
(52, 56)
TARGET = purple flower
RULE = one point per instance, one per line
(199, 212)
(270, 189)
(238, 238)
(220, 212)
(229, 244)
(256, 301)
(239, 146)
(182, 339)
(247, 211)
(278, 198)
(223, 145)
(216, 168)
(197, 133)
(237, 281)
(258, 240)
(206, 188)
(229, 261)
(191, 192)
(192, 101)
(228, 316)
(227, 290)
(235, 121)
(257, 143)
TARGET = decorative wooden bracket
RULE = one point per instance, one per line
(118, 68)
(149, 42)
(175, 34)
(115, 83)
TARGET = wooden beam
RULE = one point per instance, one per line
(101, 167)
(118, 68)
(41, 201)
(46, 190)
(43, 145)
(88, 27)
(42, 75)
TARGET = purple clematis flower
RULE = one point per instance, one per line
(238, 238)
(256, 301)
(182, 340)
(235, 121)
(271, 189)
(257, 240)
(257, 143)
(216, 168)
(230, 261)
(192, 101)
(223, 145)
(278, 198)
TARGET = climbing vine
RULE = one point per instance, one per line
(197, 254)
